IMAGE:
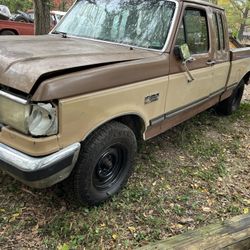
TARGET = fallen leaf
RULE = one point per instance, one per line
(150, 212)
(178, 226)
(246, 210)
(206, 209)
(132, 229)
(247, 202)
(63, 247)
(14, 217)
(186, 220)
(114, 236)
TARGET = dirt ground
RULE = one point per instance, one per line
(246, 95)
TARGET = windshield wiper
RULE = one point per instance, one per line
(64, 34)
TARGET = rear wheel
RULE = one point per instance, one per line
(105, 163)
(232, 103)
(7, 33)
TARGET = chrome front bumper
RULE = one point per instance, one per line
(39, 172)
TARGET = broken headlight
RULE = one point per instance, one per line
(36, 119)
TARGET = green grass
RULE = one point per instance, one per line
(184, 178)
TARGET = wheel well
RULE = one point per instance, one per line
(9, 30)
(134, 122)
(246, 78)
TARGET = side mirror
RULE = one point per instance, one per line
(183, 52)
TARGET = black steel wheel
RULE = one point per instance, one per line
(105, 163)
(109, 167)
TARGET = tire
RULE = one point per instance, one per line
(8, 33)
(104, 165)
(232, 103)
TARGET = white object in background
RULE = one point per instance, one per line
(4, 10)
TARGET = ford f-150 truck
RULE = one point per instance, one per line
(74, 103)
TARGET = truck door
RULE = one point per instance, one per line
(220, 62)
(194, 30)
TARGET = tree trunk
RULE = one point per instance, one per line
(243, 24)
(42, 16)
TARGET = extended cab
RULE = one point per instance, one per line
(74, 103)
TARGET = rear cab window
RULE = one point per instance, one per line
(219, 30)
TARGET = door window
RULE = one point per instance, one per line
(194, 31)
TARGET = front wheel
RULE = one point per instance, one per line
(232, 103)
(105, 163)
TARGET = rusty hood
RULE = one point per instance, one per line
(27, 60)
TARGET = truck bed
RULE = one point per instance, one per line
(240, 64)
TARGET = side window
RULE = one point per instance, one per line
(221, 29)
(216, 27)
(194, 31)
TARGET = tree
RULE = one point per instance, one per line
(63, 5)
(42, 16)
(15, 5)
(243, 7)
(237, 12)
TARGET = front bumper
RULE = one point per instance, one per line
(39, 172)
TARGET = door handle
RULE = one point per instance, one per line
(211, 62)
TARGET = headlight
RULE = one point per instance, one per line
(36, 119)
(43, 120)
(15, 114)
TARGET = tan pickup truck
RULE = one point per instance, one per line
(74, 103)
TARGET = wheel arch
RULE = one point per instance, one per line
(246, 78)
(133, 120)
(7, 29)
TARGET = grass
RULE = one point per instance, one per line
(188, 177)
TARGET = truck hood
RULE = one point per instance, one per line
(26, 60)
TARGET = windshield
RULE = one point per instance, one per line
(133, 22)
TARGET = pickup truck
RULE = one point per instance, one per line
(75, 103)
(23, 25)
(8, 27)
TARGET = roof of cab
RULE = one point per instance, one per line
(203, 3)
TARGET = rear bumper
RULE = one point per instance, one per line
(39, 172)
